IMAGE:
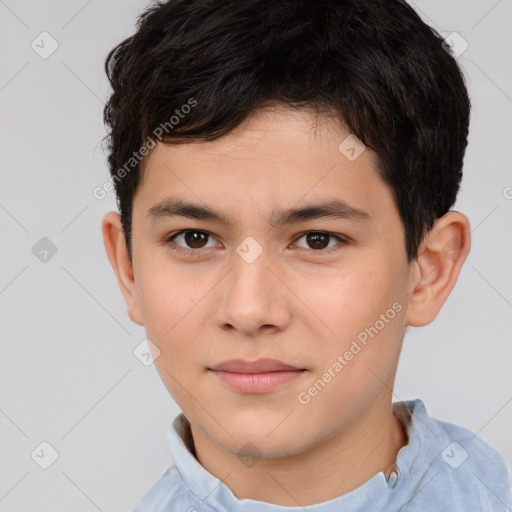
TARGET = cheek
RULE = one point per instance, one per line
(343, 300)
(167, 297)
(169, 306)
(361, 311)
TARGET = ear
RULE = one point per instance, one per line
(115, 245)
(437, 266)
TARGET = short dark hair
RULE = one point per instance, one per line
(374, 64)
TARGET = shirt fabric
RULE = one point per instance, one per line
(442, 468)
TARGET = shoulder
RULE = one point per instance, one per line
(470, 473)
(169, 490)
(467, 451)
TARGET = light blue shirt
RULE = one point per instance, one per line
(443, 468)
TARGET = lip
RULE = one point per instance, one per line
(257, 366)
(260, 376)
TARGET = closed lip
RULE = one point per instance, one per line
(257, 366)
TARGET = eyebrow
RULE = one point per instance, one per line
(336, 208)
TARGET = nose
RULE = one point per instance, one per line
(253, 297)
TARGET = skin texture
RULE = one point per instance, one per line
(300, 303)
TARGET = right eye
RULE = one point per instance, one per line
(193, 240)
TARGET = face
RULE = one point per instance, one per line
(323, 293)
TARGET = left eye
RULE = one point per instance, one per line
(317, 239)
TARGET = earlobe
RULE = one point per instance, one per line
(437, 267)
(115, 246)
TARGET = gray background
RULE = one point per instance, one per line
(68, 375)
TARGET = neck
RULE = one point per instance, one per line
(326, 471)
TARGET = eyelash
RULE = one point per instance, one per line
(197, 252)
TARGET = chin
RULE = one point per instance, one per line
(255, 448)
(264, 441)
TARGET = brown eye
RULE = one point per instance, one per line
(317, 240)
(191, 240)
(320, 240)
(195, 239)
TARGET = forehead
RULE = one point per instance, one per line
(278, 157)
(275, 133)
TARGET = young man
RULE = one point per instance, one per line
(284, 174)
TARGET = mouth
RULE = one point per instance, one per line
(260, 376)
